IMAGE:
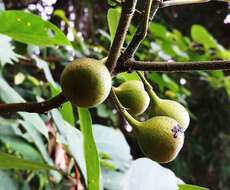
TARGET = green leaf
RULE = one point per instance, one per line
(128, 76)
(156, 78)
(113, 17)
(202, 36)
(31, 29)
(8, 161)
(90, 150)
(190, 187)
(227, 85)
(160, 31)
(20, 145)
(170, 83)
(66, 109)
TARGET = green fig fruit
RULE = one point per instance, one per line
(170, 108)
(86, 82)
(165, 107)
(160, 138)
(133, 96)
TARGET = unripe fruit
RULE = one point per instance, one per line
(133, 96)
(160, 138)
(86, 82)
(170, 108)
(164, 107)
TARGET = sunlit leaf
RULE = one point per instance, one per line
(31, 29)
(128, 76)
(190, 187)
(202, 36)
(160, 31)
(66, 109)
(113, 17)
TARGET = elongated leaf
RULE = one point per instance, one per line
(191, 187)
(31, 29)
(113, 17)
(90, 150)
(8, 161)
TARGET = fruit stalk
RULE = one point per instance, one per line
(148, 88)
(133, 122)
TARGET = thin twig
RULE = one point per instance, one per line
(185, 2)
(128, 9)
(34, 107)
(140, 33)
(175, 66)
(181, 2)
(151, 7)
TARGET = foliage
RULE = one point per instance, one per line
(32, 138)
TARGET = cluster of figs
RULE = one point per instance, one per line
(87, 82)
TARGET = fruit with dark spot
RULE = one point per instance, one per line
(86, 82)
(160, 138)
(133, 96)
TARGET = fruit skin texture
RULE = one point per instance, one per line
(86, 82)
(170, 108)
(133, 96)
(160, 138)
